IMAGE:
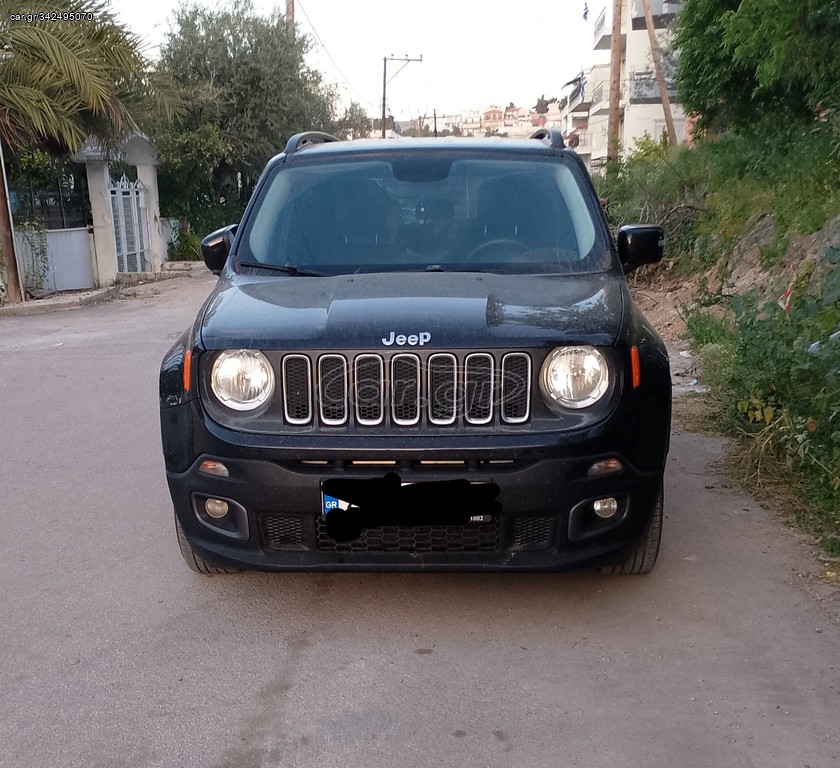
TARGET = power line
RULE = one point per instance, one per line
(329, 55)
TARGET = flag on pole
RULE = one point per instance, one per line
(585, 10)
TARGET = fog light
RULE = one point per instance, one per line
(605, 508)
(217, 509)
(216, 468)
(605, 467)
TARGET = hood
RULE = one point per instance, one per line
(403, 310)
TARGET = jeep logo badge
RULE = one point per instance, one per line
(413, 340)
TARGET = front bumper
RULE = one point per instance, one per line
(544, 520)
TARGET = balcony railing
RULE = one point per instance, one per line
(657, 8)
(644, 86)
(580, 140)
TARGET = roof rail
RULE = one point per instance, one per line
(554, 137)
(306, 139)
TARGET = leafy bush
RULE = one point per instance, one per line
(186, 247)
(217, 216)
(650, 185)
(708, 195)
(779, 372)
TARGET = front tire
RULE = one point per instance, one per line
(195, 562)
(644, 556)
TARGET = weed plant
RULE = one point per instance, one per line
(774, 370)
(185, 247)
(708, 195)
(777, 371)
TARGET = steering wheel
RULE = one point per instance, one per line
(502, 242)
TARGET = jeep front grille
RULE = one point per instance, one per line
(406, 389)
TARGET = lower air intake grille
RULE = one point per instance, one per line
(474, 537)
(532, 532)
(280, 532)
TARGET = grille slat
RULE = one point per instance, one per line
(443, 389)
(516, 387)
(406, 389)
(479, 387)
(332, 389)
(297, 389)
(369, 389)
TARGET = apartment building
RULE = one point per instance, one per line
(640, 105)
(471, 122)
(492, 119)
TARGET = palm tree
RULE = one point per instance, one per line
(61, 81)
(67, 71)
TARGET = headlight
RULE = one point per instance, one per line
(574, 377)
(242, 379)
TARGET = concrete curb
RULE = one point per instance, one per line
(56, 303)
(128, 282)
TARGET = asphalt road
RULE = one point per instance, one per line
(113, 654)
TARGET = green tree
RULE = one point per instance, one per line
(354, 123)
(709, 83)
(245, 75)
(188, 159)
(745, 60)
(541, 107)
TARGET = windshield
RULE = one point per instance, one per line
(422, 212)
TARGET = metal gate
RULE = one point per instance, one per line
(131, 225)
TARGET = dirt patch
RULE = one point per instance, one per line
(664, 302)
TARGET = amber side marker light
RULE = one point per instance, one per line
(605, 467)
(210, 467)
(635, 366)
(187, 369)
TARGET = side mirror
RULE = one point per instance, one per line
(640, 244)
(216, 247)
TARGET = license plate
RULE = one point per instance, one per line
(330, 503)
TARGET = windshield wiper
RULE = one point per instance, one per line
(289, 269)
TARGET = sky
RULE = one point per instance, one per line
(475, 53)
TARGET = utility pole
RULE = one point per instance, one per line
(385, 80)
(14, 294)
(660, 75)
(290, 14)
(614, 119)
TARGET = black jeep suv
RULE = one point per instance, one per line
(420, 355)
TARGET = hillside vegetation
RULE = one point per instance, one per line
(752, 212)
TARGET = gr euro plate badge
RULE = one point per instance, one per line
(328, 503)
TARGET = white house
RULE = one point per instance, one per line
(640, 104)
